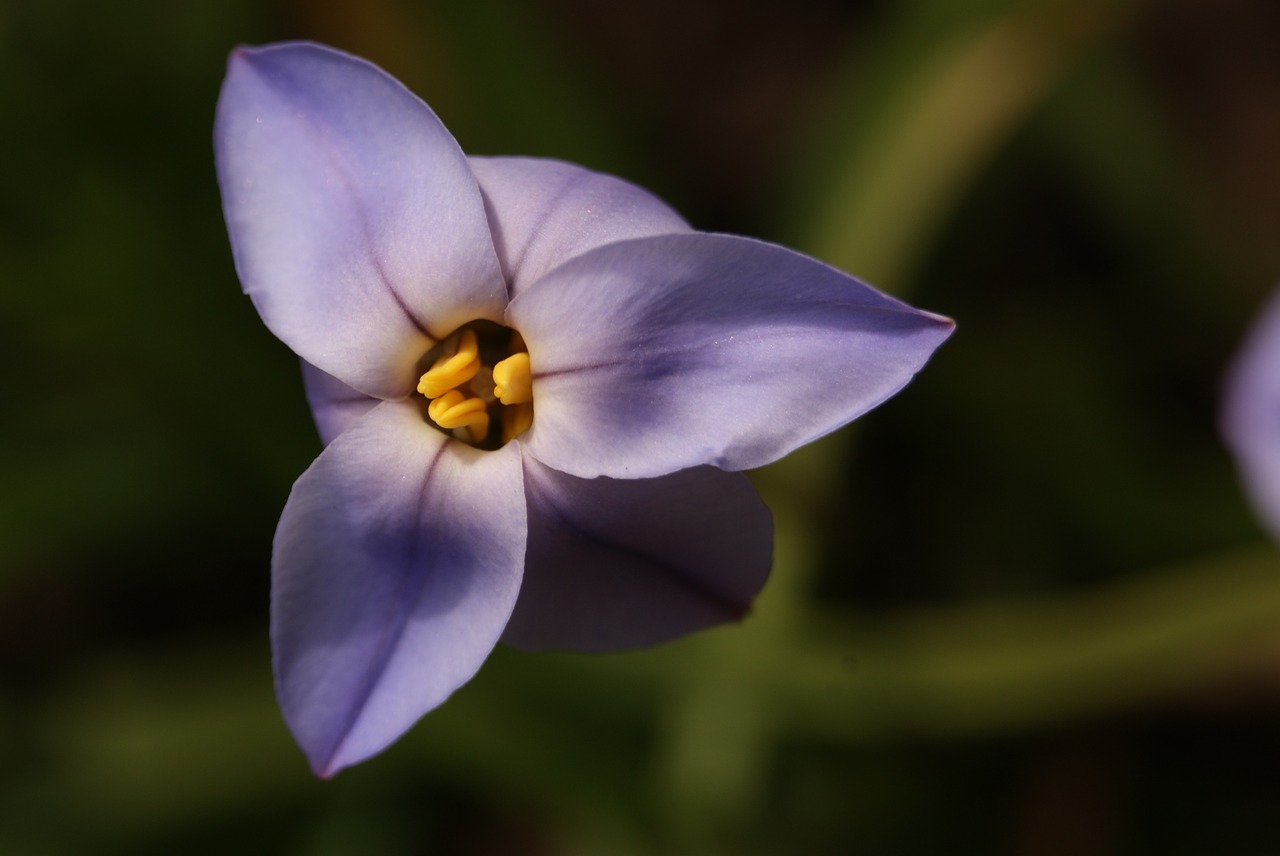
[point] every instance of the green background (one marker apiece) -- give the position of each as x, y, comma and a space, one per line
1023, 608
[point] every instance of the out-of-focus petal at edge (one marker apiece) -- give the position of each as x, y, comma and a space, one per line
662, 353
397, 563
615, 564
335, 407
355, 223
1251, 414
544, 212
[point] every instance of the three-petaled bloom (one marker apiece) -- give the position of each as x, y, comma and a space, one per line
537, 386
1251, 414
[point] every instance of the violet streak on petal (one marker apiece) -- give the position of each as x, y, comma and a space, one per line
397, 563
662, 353
544, 212
618, 564
1251, 414
356, 225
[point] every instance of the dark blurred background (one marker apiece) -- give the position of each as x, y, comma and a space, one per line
1023, 608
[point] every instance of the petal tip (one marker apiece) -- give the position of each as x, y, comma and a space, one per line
325, 772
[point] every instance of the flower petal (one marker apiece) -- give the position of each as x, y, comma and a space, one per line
397, 562
335, 407
544, 212
356, 225
662, 353
623, 563
1251, 414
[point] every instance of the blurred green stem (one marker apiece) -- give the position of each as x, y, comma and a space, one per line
990, 666
929, 123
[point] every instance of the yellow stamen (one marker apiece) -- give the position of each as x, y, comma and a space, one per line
453, 410
516, 420
452, 369
513, 380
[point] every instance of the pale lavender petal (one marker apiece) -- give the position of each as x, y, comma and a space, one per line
397, 562
1251, 414
335, 407
662, 353
622, 563
545, 212
356, 225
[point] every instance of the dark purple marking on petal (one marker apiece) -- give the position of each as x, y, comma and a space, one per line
411, 586
616, 564
667, 352
732, 610
395, 568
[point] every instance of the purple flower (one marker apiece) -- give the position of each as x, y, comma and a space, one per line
1251, 414
536, 384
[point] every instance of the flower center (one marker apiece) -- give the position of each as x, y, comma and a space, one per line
478, 375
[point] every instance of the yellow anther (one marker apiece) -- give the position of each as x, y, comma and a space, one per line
452, 369
515, 421
513, 380
453, 410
